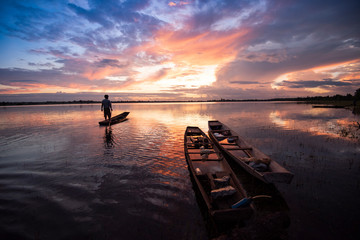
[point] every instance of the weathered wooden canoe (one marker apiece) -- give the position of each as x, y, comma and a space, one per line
116, 119
248, 157
217, 183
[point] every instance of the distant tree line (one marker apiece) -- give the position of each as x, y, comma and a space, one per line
338, 97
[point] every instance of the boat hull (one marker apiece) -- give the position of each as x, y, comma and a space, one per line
243, 153
116, 119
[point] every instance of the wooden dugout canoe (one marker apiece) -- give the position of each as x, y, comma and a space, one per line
208, 171
116, 119
247, 156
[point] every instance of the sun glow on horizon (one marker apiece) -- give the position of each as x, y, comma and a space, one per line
189, 77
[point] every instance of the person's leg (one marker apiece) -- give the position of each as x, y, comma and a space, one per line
107, 113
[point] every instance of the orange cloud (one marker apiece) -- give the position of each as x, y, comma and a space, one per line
101, 73
333, 66
207, 48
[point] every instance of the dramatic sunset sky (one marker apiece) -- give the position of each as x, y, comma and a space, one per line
178, 50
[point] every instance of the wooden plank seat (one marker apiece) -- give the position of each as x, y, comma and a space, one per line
198, 151
201, 159
211, 180
198, 155
220, 131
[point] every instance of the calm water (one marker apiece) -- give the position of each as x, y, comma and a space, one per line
64, 177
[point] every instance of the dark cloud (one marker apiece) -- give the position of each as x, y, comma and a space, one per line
244, 82
31, 22
207, 13
290, 21
37, 21
295, 36
110, 62
54, 77
314, 83
262, 69
93, 16
120, 16
58, 78
24, 81
47, 65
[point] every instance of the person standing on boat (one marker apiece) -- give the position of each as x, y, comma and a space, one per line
106, 107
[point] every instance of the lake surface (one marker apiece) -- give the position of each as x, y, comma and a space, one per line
62, 176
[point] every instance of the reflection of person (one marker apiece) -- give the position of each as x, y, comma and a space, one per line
106, 107
109, 138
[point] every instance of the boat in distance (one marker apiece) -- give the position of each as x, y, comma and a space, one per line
248, 157
116, 119
218, 185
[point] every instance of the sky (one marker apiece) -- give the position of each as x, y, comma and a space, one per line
58, 50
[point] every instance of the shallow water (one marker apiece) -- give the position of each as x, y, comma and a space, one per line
64, 177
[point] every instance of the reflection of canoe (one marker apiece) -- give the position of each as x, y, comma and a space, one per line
248, 157
217, 183
116, 119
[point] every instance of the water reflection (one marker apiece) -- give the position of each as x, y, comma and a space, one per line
134, 174
109, 139
318, 122
275, 118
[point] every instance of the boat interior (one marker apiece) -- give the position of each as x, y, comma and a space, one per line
226, 198
210, 169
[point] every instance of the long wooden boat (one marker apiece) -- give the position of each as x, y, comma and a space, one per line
248, 157
219, 187
116, 119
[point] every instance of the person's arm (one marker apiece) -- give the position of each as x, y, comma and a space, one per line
110, 106
102, 106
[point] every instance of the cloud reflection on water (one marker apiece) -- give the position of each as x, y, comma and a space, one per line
318, 122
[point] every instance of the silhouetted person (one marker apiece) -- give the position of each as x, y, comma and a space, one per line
106, 107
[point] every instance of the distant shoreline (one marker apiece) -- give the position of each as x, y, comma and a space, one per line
335, 101
99, 102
